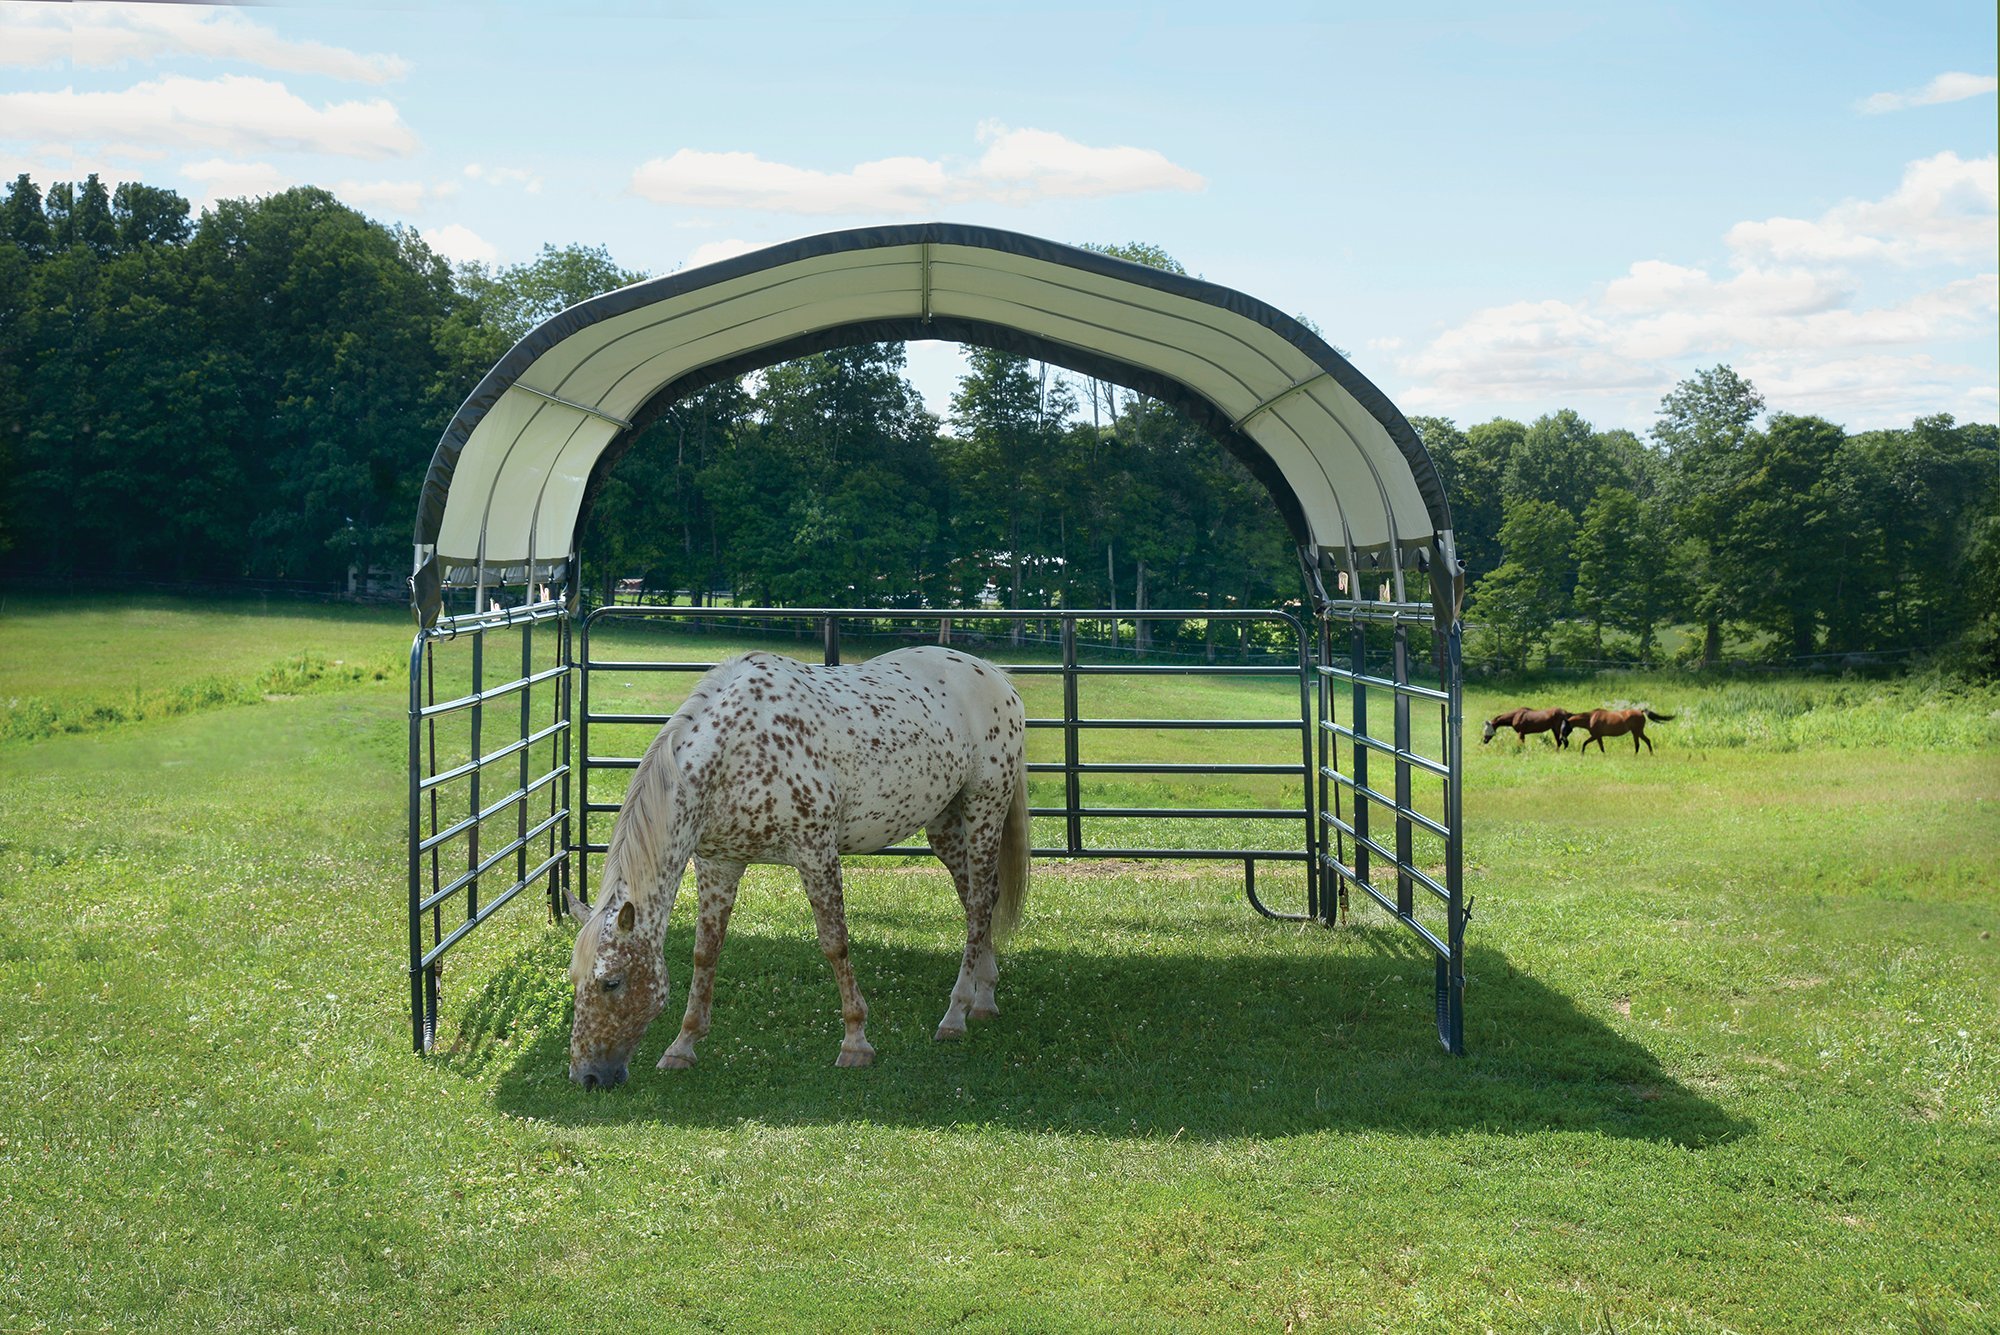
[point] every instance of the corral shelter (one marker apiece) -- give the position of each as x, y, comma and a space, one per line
515, 472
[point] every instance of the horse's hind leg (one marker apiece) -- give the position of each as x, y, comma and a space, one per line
717, 883
821, 874
975, 872
1638, 737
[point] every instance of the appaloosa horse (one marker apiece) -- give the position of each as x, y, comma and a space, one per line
1602, 723
775, 761
1525, 721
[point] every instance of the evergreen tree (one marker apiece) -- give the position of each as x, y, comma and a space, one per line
22, 222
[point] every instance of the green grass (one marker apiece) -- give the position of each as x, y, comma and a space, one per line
1734, 1019
80, 664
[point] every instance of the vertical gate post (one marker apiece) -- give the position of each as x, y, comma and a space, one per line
580, 849
472, 780
1357, 752
829, 639
1308, 725
1333, 889
419, 653
559, 884
527, 728
437, 852
1451, 974
1405, 888
1072, 781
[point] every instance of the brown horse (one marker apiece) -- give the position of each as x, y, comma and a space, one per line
1525, 721
1602, 723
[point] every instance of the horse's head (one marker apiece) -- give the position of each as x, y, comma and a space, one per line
620, 975
1492, 726
1568, 724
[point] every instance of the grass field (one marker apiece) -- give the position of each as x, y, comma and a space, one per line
1734, 1019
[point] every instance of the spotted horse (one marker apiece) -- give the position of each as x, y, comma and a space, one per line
775, 761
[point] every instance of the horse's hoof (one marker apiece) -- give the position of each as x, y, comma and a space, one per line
676, 1061
947, 1033
985, 1012
862, 1056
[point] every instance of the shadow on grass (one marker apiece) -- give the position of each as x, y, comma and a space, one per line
1148, 1045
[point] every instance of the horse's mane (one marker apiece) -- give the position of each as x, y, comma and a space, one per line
638, 840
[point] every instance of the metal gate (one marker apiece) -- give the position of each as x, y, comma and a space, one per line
496, 668
1356, 667
509, 714
831, 627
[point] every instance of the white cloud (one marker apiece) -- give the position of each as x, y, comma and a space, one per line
1798, 328
234, 113
1527, 350
221, 178
97, 35
225, 178
1023, 165
393, 196
1655, 285
47, 162
1962, 308
1870, 389
517, 176
711, 251
1946, 208
1950, 87
461, 244
1018, 167
746, 181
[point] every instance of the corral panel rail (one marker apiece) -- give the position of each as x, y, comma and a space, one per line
1076, 653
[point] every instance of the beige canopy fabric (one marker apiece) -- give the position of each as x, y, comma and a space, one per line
512, 475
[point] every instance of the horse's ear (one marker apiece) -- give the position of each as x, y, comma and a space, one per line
627, 916
575, 906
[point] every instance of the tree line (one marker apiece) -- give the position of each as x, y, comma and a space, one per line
255, 393
1782, 530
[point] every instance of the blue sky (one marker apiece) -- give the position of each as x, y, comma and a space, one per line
1493, 212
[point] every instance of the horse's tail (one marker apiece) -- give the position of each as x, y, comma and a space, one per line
1659, 718
1013, 859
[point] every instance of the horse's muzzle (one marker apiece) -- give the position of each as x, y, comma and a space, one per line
598, 1077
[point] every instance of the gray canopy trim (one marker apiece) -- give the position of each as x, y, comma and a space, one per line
514, 474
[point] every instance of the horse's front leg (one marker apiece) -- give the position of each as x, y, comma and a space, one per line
717, 882
821, 876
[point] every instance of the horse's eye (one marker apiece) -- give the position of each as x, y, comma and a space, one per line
611, 984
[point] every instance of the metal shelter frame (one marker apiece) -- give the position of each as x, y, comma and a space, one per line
501, 713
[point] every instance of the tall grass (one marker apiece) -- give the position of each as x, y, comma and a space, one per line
28, 718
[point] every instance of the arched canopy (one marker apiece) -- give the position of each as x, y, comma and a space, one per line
511, 478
